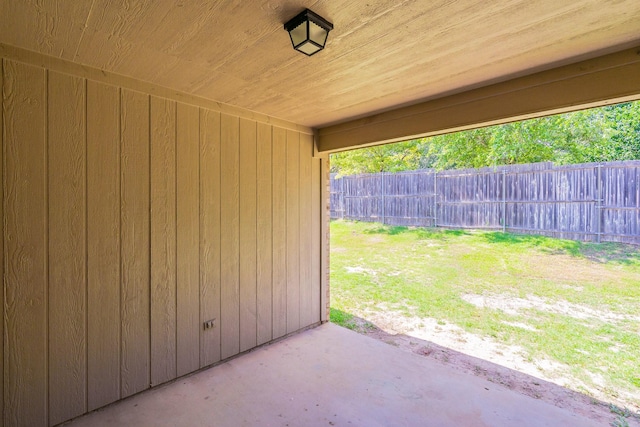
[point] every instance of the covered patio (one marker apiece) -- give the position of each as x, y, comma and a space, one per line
164, 183
331, 376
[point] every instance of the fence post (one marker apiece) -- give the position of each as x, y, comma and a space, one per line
435, 198
382, 196
344, 207
599, 203
504, 200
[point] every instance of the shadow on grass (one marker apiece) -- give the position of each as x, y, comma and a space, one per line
514, 380
604, 253
421, 232
544, 243
616, 253
349, 321
390, 230
440, 233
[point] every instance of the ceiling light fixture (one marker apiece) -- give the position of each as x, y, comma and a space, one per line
308, 32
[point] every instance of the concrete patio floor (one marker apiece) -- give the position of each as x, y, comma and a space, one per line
331, 376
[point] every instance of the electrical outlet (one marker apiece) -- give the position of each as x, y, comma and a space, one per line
210, 324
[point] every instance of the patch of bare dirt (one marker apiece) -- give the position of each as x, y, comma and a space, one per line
512, 305
496, 362
574, 270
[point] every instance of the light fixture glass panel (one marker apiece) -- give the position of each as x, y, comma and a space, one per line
299, 34
308, 32
317, 33
308, 48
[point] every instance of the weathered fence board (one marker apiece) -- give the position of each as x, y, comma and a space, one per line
589, 202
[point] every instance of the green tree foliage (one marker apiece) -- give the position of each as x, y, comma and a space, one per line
382, 158
596, 135
623, 131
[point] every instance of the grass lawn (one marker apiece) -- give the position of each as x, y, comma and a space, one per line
574, 304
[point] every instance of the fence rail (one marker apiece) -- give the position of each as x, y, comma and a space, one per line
590, 202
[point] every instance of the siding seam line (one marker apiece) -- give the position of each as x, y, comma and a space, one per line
286, 234
175, 221
270, 162
3, 243
150, 285
199, 151
239, 288
220, 233
119, 376
46, 201
255, 230
86, 249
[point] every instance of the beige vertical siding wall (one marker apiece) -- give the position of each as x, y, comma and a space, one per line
129, 219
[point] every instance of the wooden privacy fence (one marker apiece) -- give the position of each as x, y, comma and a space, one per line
589, 202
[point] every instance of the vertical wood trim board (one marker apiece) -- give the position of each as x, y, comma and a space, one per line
188, 240
103, 232
67, 249
293, 231
279, 305
130, 220
316, 246
305, 204
306, 231
25, 198
135, 243
163, 240
264, 235
324, 238
209, 236
248, 244
229, 236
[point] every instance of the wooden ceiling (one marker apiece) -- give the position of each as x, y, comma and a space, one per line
382, 53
